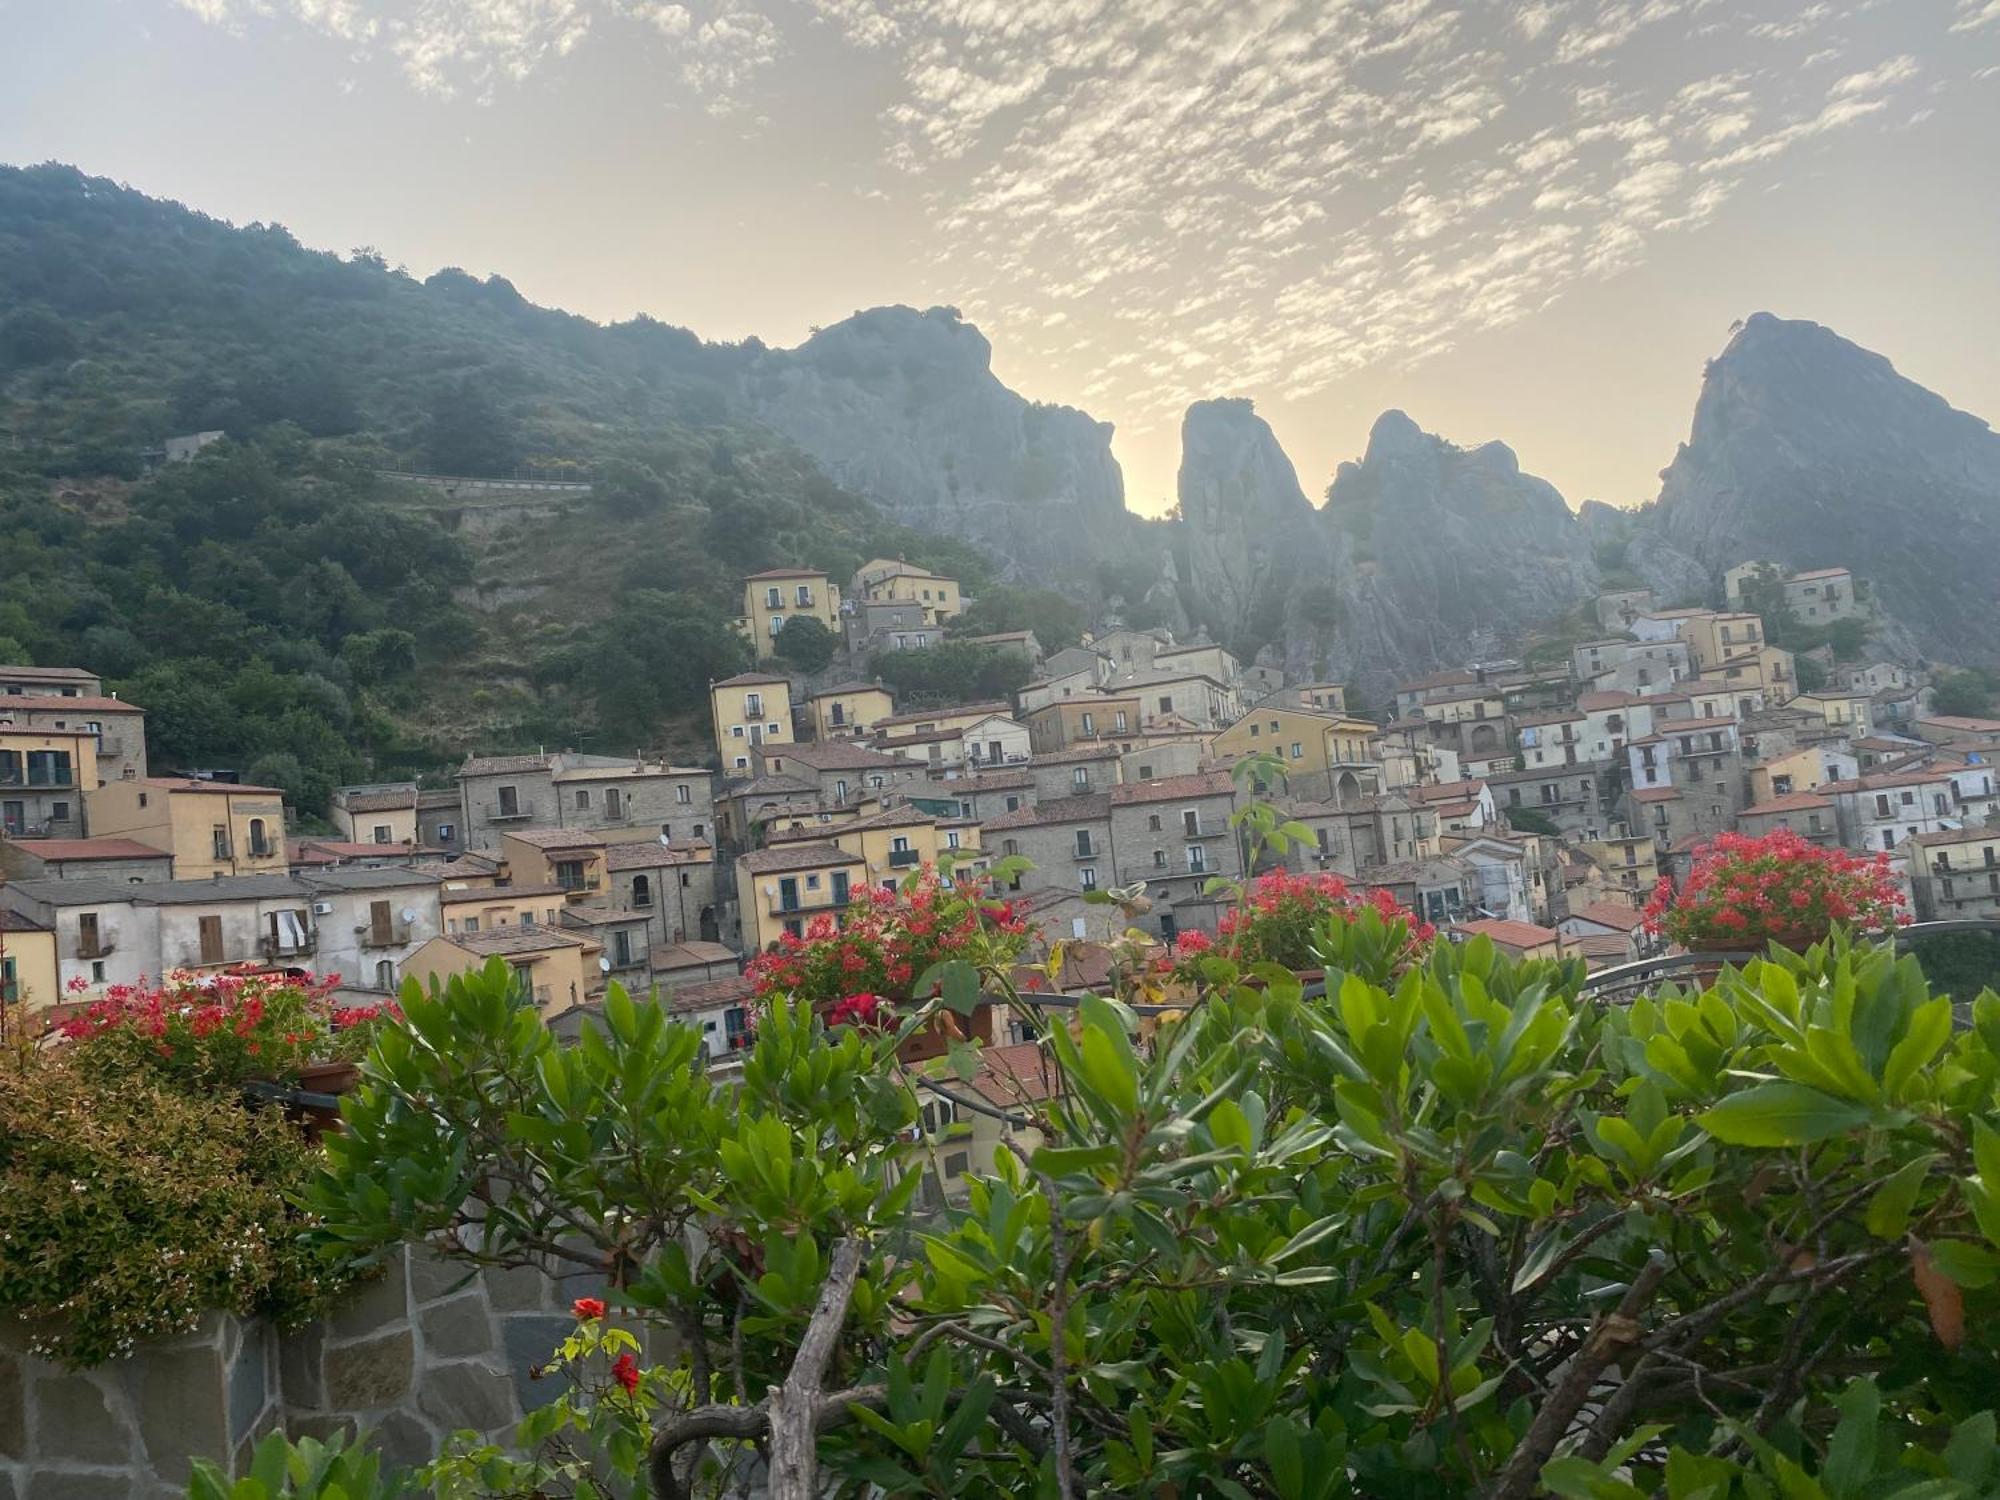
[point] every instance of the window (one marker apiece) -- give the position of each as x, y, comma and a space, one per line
1197, 858
88, 943
1145, 773
1013, 803
1255, 731
1080, 778
1881, 804
1298, 750
509, 805
382, 833
951, 838
773, 599
742, 762
956, 1163
1010, 846
804, 596
569, 874
1087, 878
614, 802
1159, 859
219, 836
1909, 799
682, 795
1153, 823
772, 730
1084, 849
381, 931
59, 812
838, 888
736, 732
1191, 822
642, 892
1888, 838
1089, 722
753, 705
1166, 704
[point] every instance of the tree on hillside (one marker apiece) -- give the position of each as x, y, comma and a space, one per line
1056, 621
1969, 693
952, 672
34, 336
467, 433
805, 644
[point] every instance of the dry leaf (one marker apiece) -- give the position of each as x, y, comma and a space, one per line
1941, 1295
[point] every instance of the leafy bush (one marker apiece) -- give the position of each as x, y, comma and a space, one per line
951, 672
305, 1470
1463, 1234
1283, 919
805, 644
128, 1208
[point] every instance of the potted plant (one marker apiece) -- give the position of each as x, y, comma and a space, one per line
1283, 918
213, 1032
867, 969
1744, 893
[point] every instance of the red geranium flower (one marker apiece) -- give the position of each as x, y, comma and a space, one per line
587, 1309
625, 1370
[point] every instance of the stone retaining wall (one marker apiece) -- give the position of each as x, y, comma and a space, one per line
428, 1350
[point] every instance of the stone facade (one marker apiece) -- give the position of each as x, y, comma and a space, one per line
431, 1348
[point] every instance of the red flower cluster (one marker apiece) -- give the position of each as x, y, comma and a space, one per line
218, 1029
888, 939
625, 1370
869, 1011
1283, 911
1778, 888
587, 1308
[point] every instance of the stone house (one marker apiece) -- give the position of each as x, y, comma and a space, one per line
563, 789
1569, 796
119, 728
118, 861
440, 821
841, 771
1880, 810
1082, 720
1807, 814
1955, 874
980, 794
1175, 835
783, 888
1078, 771
367, 923
1054, 686
1067, 839
45, 777
385, 813
672, 888
49, 682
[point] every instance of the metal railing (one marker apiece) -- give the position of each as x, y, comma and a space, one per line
498, 812
1624, 980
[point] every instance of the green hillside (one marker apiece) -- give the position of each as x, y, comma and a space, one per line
279, 607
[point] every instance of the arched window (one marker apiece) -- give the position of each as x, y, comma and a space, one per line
259, 845
642, 891
385, 974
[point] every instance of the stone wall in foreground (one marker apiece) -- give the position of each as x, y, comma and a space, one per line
427, 1350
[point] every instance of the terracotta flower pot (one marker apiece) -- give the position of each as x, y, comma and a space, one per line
334, 1078
1797, 939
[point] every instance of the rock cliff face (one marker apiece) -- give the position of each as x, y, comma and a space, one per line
1248, 540
903, 406
1813, 452
1454, 550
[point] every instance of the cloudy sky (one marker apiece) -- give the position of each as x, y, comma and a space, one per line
1524, 219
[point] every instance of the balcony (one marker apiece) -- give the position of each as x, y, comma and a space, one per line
1203, 833
1085, 851
774, 905
395, 935
501, 812
276, 948
902, 859
100, 947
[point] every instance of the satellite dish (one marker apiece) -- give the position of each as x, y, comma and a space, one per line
604, 964
665, 841
409, 914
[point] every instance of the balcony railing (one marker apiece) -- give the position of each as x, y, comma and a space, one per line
902, 859
500, 812
775, 905
1086, 851
276, 948
395, 935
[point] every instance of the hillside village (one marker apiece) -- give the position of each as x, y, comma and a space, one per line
1538, 805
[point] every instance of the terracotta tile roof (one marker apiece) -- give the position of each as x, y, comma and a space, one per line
497, 893
772, 786
1655, 794
505, 765
1943, 721
840, 689
1598, 702
715, 994
1611, 914
813, 856
50, 674
69, 850
1056, 810
377, 801
506, 940
555, 838
1507, 934
1818, 573
787, 573
1602, 950
1886, 780
947, 711
752, 679
1173, 788
649, 854
1790, 802
691, 954
836, 755
42, 705
193, 784
1008, 1075
1074, 754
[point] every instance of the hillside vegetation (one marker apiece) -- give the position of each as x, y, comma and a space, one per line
280, 608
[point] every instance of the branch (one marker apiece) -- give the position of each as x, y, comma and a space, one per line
794, 1452
1523, 1472
793, 1415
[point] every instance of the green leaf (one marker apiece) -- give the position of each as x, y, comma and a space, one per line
1850, 1453
1060, 1161
1889, 1210
1780, 1114
1970, 1453
1930, 1029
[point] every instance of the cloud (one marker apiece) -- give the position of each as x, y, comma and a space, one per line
1245, 195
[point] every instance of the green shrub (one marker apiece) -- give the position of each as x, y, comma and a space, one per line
128, 1209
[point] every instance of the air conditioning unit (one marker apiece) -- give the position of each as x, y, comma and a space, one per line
322, 908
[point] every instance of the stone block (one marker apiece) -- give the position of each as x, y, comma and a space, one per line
375, 1304
321, 1426
183, 1412
434, 1277
371, 1372
54, 1484
527, 1340
461, 1328
468, 1395
73, 1423
402, 1441
249, 1381
299, 1366
13, 1409
519, 1289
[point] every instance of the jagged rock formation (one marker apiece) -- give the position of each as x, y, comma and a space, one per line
1247, 540
1451, 547
1813, 452
903, 407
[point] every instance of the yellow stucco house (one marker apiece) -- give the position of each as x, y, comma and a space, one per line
559, 968
782, 888
778, 595
885, 580
1326, 755
45, 777
749, 710
28, 975
849, 708
210, 827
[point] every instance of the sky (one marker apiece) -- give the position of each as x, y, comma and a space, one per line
1530, 220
